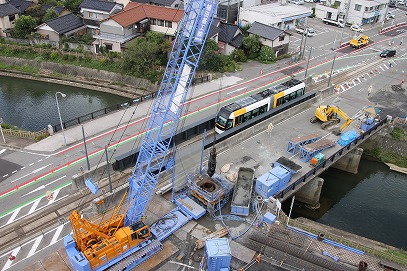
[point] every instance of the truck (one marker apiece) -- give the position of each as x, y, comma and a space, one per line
359, 41
307, 31
338, 23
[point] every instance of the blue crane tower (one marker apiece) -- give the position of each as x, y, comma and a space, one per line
123, 241
167, 108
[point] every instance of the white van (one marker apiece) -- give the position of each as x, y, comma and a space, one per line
297, 2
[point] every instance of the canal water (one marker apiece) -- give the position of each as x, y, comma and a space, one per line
371, 204
31, 105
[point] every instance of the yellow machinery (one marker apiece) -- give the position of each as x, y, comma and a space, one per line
328, 114
359, 41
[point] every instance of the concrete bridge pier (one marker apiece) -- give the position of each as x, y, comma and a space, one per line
350, 161
310, 193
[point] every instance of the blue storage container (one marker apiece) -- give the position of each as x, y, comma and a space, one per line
217, 254
269, 184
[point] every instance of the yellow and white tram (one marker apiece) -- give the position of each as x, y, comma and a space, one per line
242, 110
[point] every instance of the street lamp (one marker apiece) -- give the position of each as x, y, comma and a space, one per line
59, 113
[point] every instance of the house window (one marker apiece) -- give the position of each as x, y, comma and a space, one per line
11, 18
371, 8
93, 15
130, 27
281, 38
366, 8
153, 21
109, 47
168, 24
358, 7
160, 22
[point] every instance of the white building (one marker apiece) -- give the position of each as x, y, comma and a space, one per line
283, 17
359, 12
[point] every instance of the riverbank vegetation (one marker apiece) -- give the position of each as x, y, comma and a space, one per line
384, 156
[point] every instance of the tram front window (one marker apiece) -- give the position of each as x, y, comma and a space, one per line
221, 120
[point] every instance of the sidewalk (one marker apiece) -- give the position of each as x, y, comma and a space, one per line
97, 126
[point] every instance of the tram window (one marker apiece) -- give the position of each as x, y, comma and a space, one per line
293, 96
255, 112
300, 92
286, 99
262, 109
238, 120
247, 116
279, 101
229, 124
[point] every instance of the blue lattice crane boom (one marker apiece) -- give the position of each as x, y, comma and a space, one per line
167, 108
124, 241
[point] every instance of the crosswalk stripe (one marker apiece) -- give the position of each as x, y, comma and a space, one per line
35, 246
3, 150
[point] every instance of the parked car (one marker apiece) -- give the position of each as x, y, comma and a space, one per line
309, 1
388, 53
357, 28
297, 2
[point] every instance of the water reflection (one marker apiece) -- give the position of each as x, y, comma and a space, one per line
31, 105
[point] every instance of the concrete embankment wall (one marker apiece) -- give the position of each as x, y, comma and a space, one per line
90, 77
384, 141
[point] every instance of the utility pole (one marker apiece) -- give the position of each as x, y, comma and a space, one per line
108, 170
344, 19
305, 42
309, 57
330, 74
86, 149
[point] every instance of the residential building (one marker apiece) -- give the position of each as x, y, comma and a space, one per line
22, 5
8, 16
359, 12
134, 21
94, 12
280, 16
163, 3
230, 38
61, 10
271, 36
68, 25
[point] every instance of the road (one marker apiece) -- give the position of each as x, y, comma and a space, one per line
27, 174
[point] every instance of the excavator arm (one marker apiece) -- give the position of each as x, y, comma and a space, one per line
328, 115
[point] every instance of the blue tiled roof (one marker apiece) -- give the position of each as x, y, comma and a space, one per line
265, 31
22, 5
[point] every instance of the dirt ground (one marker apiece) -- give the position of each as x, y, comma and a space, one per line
16, 142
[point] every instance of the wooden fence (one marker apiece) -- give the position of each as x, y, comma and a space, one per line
22, 133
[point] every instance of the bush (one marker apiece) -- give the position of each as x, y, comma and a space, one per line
72, 57
8, 126
65, 57
398, 133
54, 55
239, 56
41, 137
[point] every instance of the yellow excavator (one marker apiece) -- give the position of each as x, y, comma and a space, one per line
328, 114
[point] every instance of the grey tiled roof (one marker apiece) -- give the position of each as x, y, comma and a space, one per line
22, 5
214, 28
227, 34
265, 31
98, 5
8, 9
65, 23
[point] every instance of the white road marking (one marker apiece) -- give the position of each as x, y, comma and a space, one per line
45, 155
34, 206
32, 172
14, 172
22, 168
43, 186
56, 234
3, 150
4, 176
31, 164
39, 160
239, 89
14, 252
13, 216
35, 246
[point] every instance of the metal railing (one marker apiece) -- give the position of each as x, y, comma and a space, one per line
23, 133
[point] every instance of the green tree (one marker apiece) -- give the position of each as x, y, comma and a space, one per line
72, 5
209, 55
251, 46
142, 58
51, 13
23, 27
267, 54
245, 28
238, 55
36, 12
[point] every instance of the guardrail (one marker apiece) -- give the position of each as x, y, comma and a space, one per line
385, 29
330, 160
